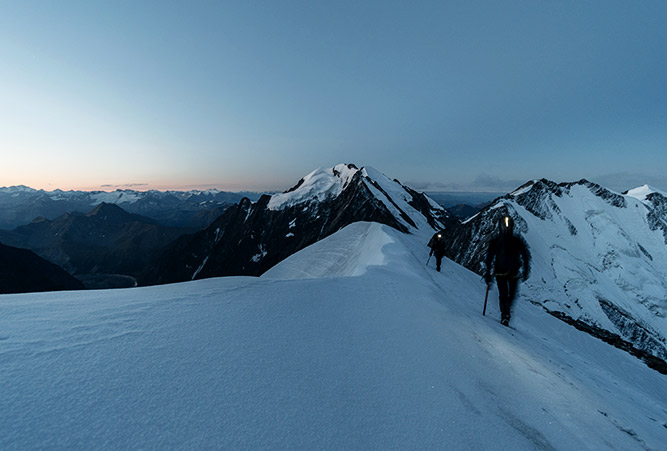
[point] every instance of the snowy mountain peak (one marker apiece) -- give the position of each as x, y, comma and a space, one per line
411, 210
642, 192
319, 185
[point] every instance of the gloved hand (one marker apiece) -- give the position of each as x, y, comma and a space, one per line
488, 278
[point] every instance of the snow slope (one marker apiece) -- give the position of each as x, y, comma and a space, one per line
332, 257
369, 349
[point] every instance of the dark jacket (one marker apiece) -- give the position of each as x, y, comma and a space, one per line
507, 253
437, 244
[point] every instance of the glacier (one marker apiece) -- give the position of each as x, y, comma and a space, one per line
352, 343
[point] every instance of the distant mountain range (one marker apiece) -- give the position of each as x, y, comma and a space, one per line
20, 205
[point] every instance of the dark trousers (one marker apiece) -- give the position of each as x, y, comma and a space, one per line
438, 261
506, 292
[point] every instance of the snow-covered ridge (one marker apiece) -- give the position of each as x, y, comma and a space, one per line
340, 255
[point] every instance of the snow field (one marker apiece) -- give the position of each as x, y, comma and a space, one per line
354, 344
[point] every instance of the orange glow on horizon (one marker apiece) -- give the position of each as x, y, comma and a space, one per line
157, 186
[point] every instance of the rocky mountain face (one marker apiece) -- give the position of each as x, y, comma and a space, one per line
599, 257
22, 271
249, 238
108, 240
19, 205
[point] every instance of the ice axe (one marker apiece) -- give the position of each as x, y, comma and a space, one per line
486, 298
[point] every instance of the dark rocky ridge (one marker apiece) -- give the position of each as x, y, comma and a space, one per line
657, 217
107, 240
657, 363
22, 271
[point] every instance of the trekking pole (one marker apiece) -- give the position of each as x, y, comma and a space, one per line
486, 298
429, 259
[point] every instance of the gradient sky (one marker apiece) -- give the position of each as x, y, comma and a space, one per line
443, 95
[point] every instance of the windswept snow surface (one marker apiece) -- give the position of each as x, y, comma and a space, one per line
332, 257
373, 351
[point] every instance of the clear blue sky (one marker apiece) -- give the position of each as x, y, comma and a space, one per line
255, 94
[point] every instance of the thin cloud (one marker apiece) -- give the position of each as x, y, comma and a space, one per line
127, 185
